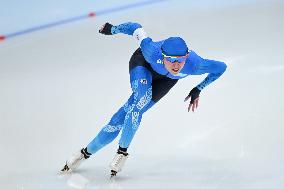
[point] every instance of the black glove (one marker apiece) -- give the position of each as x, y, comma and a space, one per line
194, 94
106, 29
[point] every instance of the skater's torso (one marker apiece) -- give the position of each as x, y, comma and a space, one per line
152, 52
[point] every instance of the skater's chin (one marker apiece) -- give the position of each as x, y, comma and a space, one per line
175, 71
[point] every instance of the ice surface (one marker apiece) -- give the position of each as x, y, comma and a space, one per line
58, 87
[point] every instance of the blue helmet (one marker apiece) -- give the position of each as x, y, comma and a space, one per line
174, 46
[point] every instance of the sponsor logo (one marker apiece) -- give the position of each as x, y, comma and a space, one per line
159, 61
143, 81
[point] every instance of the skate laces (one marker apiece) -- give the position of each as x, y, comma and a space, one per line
119, 160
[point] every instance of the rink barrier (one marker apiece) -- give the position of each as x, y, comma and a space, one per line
77, 18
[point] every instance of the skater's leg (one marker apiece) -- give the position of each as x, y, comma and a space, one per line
110, 131
141, 84
148, 88
141, 80
105, 136
160, 88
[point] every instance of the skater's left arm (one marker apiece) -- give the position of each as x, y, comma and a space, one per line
129, 28
201, 66
149, 48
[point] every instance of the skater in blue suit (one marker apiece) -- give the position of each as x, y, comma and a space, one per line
154, 68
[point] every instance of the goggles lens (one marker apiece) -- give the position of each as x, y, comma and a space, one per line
173, 59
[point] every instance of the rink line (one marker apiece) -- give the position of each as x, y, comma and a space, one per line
76, 18
2, 38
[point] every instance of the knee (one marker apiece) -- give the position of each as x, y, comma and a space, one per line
108, 134
118, 117
112, 129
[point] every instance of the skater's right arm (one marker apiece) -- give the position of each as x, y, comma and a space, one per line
149, 48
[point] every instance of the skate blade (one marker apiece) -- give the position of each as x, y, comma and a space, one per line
64, 170
112, 174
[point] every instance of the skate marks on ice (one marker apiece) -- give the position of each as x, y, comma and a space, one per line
75, 180
93, 178
170, 172
78, 179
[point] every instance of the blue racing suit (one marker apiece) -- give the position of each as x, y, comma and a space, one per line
148, 76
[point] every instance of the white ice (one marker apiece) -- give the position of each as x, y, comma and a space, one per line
58, 87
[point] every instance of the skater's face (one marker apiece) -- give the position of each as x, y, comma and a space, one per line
173, 67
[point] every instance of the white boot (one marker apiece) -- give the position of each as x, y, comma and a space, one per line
118, 162
74, 161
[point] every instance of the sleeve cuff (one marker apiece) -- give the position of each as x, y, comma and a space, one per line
139, 34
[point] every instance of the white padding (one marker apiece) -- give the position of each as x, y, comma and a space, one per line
139, 35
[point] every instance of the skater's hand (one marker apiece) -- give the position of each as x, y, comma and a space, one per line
194, 95
106, 29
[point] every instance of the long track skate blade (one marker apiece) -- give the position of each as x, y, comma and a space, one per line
112, 174
64, 170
